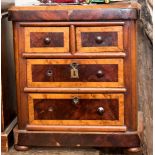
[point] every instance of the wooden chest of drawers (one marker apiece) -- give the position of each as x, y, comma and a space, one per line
76, 75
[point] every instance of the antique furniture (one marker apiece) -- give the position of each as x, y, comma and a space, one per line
8, 100
76, 75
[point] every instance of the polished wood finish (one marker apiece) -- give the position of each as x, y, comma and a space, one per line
129, 10
72, 39
74, 90
46, 39
72, 24
80, 114
101, 40
61, 73
111, 39
78, 55
74, 128
112, 68
86, 139
77, 140
35, 39
94, 109
20, 76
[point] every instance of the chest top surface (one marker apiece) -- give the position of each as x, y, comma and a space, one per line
97, 12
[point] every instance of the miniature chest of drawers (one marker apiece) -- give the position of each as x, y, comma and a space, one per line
76, 75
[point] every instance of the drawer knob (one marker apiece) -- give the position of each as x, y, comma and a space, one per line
99, 39
50, 109
100, 73
49, 73
47, 40
75, 100
100, 110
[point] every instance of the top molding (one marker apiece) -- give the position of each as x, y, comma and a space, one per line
93, 12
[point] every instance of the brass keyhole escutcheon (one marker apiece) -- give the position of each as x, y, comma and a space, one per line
74, 70
75, 100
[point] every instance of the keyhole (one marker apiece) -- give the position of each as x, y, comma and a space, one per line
74, 73
74, 70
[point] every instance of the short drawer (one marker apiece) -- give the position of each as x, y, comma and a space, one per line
76, 109
46, 39
99, 39
75, 73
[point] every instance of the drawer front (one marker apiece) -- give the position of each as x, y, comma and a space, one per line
76, 109
46, 39
75, 73
99, 39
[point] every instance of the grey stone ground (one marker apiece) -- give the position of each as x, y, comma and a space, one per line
54, 151
63, 151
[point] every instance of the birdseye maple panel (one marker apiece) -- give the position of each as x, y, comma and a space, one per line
91, 73
47, 39
48, 109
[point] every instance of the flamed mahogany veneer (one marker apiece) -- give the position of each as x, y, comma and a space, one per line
76, 75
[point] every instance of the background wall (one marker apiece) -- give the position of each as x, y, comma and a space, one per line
5, 4
145, 66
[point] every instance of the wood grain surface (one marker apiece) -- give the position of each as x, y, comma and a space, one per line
75, 128
86, 109
113, 117
129, 10
48, 82
87, 73
35, 42
112, 37
37, 39
37, 100
86, 139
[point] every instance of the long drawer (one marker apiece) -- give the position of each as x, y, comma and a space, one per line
75, 73
76, 109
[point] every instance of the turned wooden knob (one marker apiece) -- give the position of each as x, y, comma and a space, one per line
99, 39
100, 110
47, 40
99, 73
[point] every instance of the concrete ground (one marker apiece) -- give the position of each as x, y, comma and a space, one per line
61, 151
54, 151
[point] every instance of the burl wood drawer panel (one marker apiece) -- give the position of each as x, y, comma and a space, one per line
99, 39
76, 109
46, 39
89, 73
